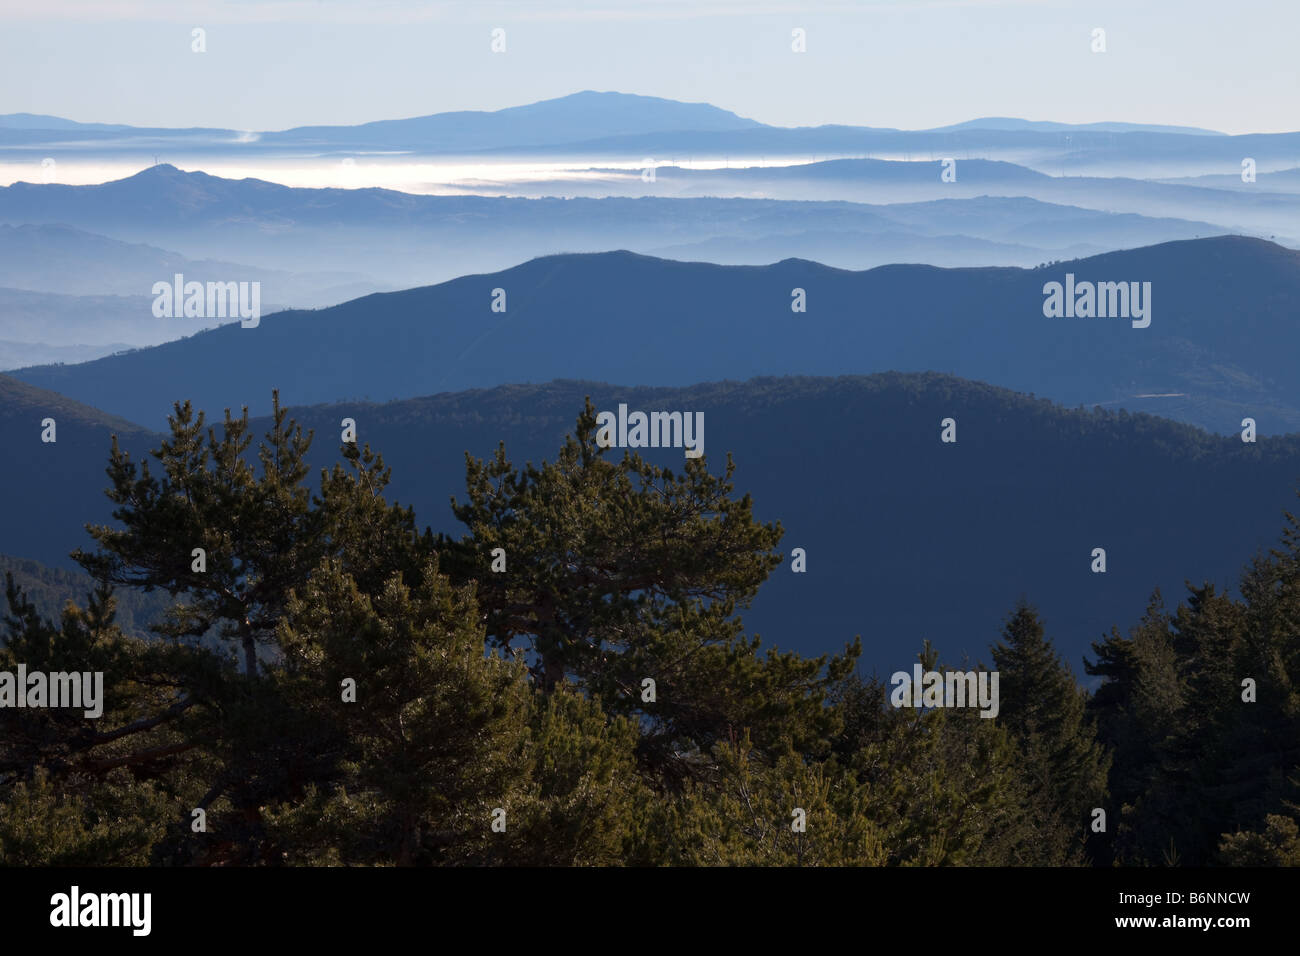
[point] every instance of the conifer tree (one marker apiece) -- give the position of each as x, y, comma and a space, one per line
78, 790
425, 742
260, 535
585, 803
944, 784
1063, 765
1139, 709
619, 572
285, 766
785, 812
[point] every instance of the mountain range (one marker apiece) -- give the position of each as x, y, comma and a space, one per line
1269, 207
610, 123
1219, 347
320, 246
863, 286
398, 238
47, 257
576, 117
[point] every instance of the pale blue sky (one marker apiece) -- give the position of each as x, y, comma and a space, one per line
270, 64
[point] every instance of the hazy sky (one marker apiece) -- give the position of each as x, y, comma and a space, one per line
270, 64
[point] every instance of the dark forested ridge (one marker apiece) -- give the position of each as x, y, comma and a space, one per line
54, 488
1219, 348
906, 537
621, 713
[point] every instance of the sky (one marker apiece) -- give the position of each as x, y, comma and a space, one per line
910, 64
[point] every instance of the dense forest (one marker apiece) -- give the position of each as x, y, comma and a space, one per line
48, 589
570, 682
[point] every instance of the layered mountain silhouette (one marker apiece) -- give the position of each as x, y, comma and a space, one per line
1010, 123
1268, 207
1220, 345
577, 117
401, 239
341, 242
906, 537
60, 258
828, 379
610, 123
567, 119
74, 328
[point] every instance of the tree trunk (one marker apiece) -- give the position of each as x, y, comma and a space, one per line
250, 656
552, 670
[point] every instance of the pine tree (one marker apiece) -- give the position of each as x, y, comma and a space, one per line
1063, 765
1140, 710
943, 784
431, 741
411, 764
78, 790
585, 803
246, 750
260, 535
253, 532
623, 572
783, 812
1276, 844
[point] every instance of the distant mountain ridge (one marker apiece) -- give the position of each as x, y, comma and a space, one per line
1271, 210
1011, 123
612, 123
580, 114
401, 239
551, 122
1220, 346
45, 257
40, 121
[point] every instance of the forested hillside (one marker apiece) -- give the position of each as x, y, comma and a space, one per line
621, 713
